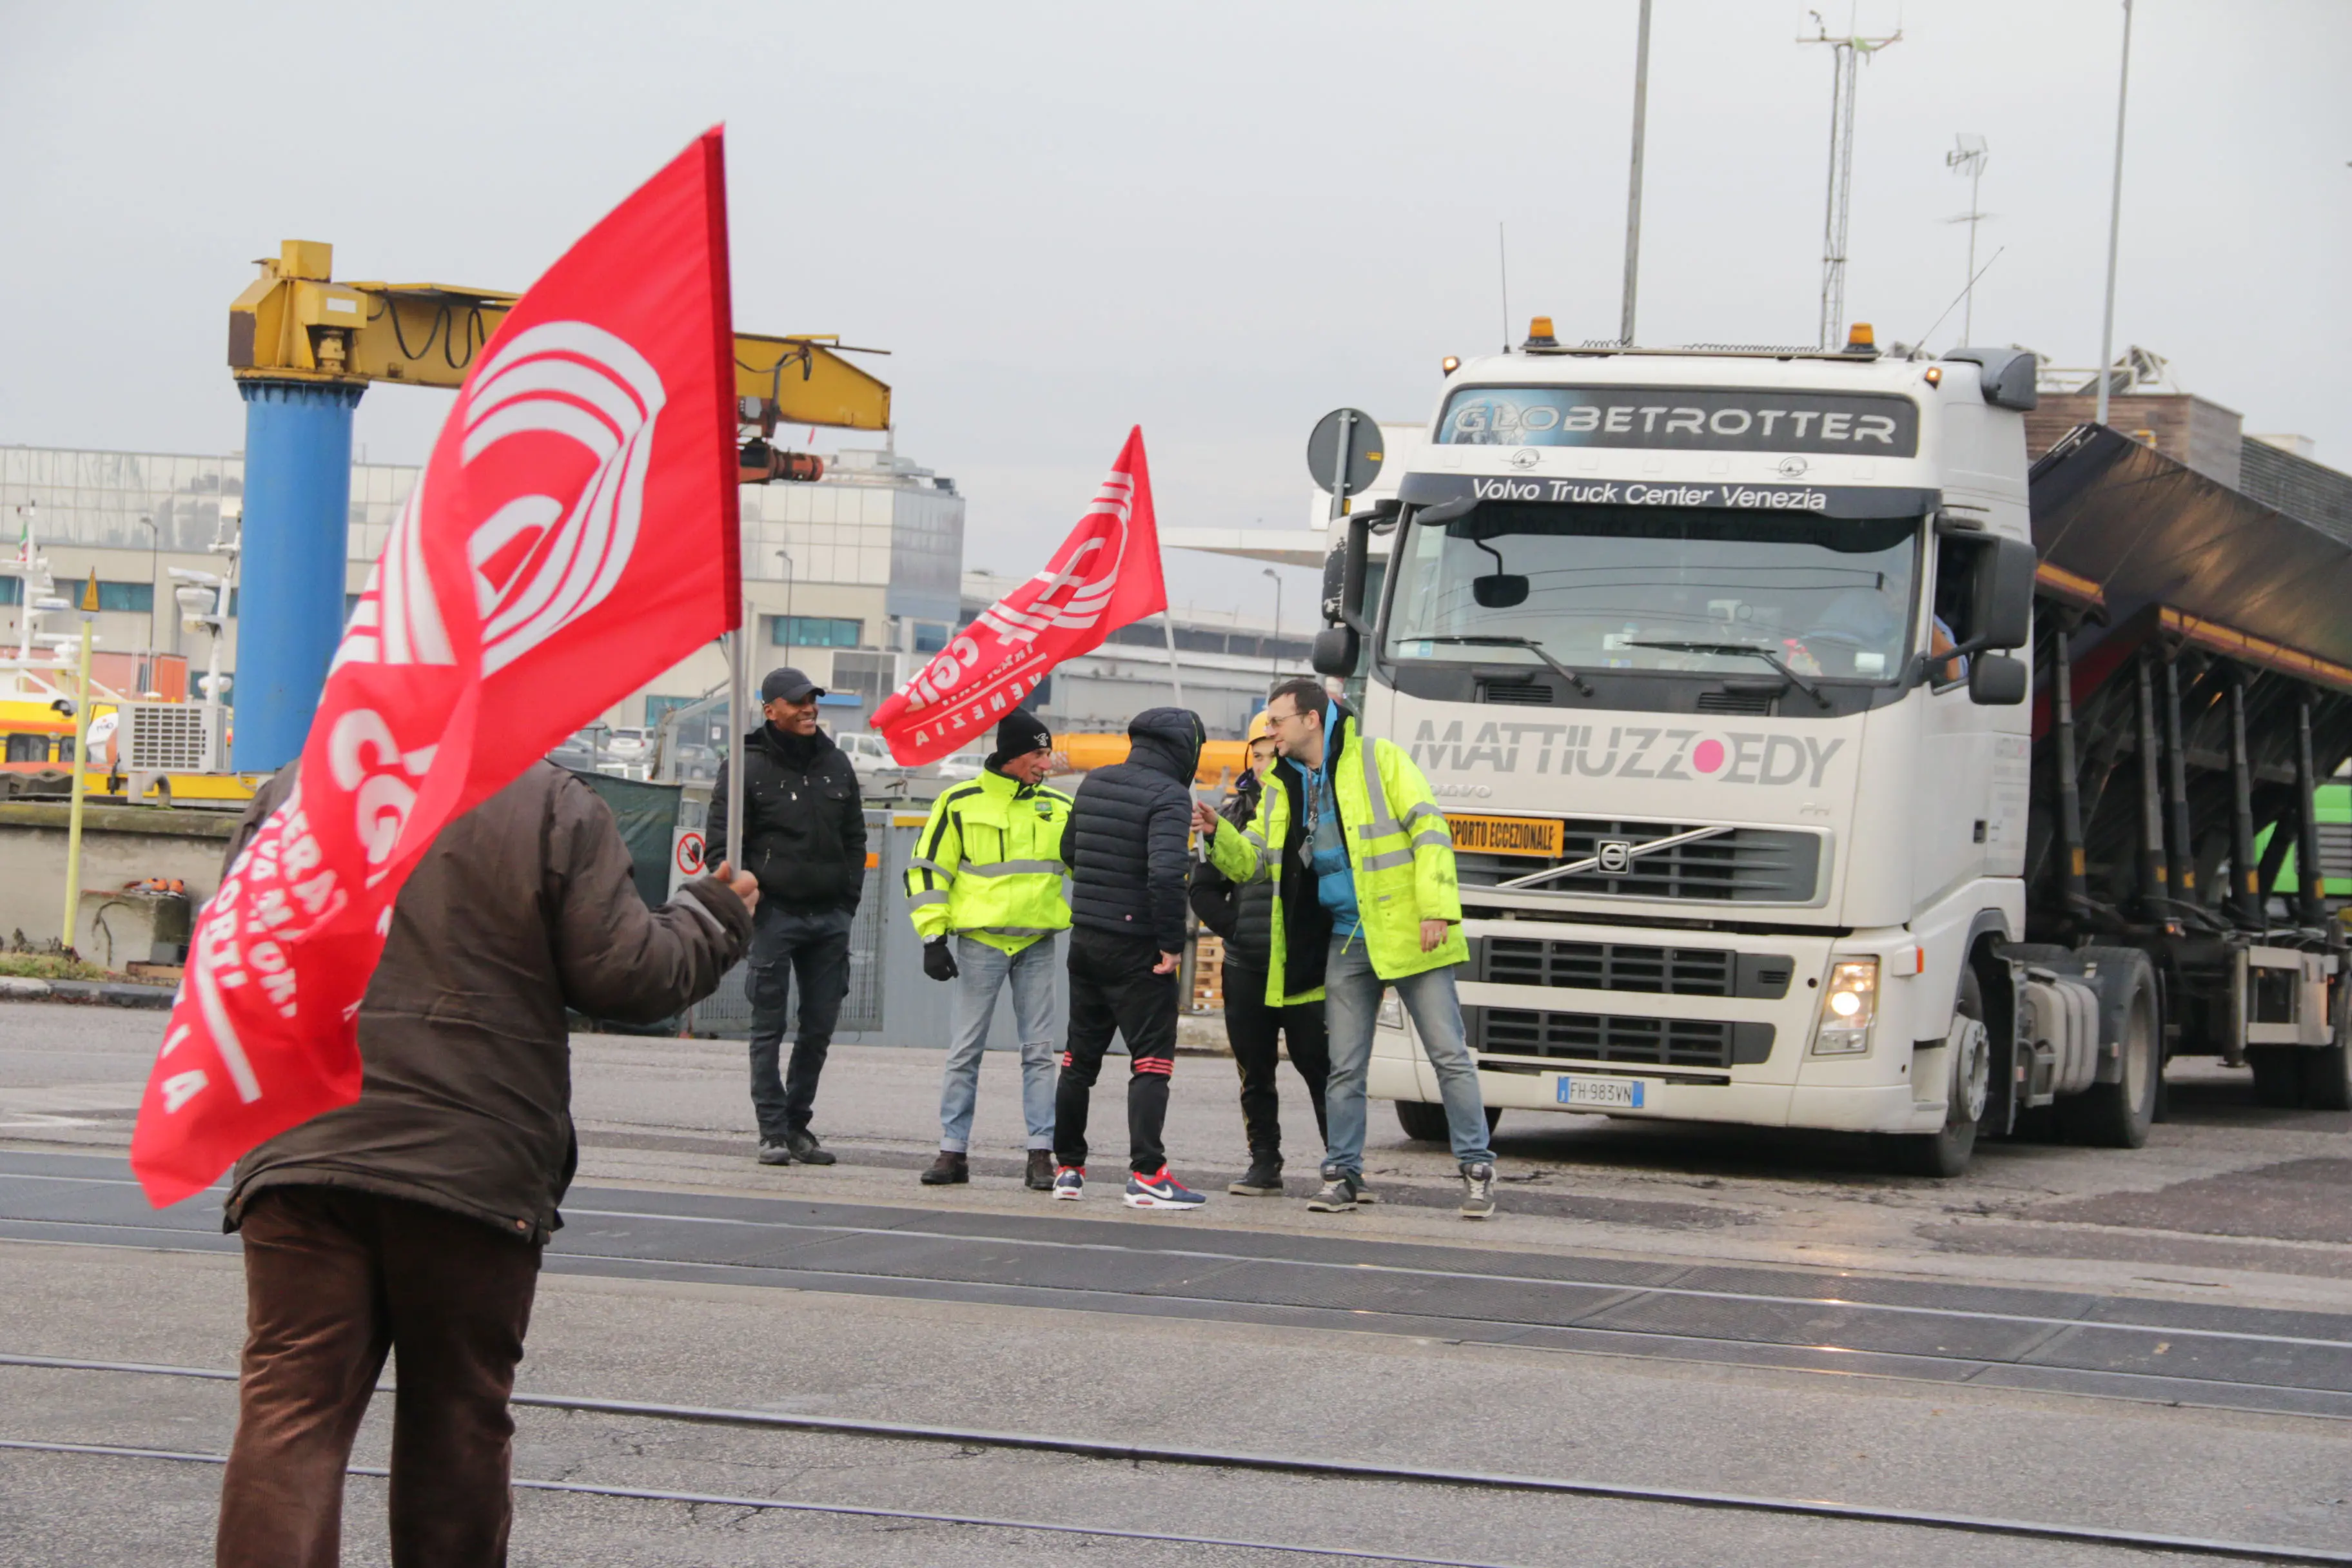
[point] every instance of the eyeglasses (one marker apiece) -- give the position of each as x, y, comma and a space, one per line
1275, 719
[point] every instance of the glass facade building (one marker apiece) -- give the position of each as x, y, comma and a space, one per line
875, 546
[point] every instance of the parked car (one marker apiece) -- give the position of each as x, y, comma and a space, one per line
869, 755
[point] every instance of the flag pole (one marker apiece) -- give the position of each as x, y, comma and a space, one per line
1168, 626
735, 656
80, 765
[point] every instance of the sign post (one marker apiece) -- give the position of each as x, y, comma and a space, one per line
1343, 455
80, 767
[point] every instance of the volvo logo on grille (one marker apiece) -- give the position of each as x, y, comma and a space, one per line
1615, 855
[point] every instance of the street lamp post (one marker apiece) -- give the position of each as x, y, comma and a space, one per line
2115, 224
1274, 662
786, 641
155, 542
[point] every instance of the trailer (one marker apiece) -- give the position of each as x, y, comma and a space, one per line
1813, 760
2193, 652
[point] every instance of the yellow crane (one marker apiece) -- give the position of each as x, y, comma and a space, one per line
304, 347
294, 322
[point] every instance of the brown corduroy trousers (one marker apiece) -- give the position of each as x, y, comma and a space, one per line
334, 1279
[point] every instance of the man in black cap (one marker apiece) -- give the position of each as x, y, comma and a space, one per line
804, 840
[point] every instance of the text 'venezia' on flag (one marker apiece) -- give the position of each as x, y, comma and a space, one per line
1105, 574
573, 534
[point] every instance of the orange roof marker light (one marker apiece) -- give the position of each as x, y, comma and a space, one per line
1861, 340
1540, 334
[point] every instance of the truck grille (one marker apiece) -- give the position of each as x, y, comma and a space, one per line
1745, 866
1627, 967
1626, 1041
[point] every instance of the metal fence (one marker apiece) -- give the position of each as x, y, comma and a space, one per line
890, 1002
727, 1012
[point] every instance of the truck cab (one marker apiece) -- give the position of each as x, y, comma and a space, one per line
1707, 657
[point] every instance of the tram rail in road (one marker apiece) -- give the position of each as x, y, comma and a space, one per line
968, 1438
2174, 1353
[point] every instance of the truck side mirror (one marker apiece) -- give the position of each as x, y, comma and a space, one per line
1336, 652
1997, 680
1343, 579
1335, 584
2004, 594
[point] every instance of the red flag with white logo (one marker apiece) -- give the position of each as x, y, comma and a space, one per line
573, 535
1105, 574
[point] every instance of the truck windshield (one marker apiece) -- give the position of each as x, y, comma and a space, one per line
1829, 597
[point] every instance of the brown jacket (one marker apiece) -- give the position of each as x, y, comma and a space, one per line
523, 907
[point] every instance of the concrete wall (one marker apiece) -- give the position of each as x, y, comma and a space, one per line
121, 844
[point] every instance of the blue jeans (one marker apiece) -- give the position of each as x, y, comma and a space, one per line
980, 971
815, 949
1351, 1007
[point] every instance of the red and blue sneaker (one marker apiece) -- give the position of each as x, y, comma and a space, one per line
1070, 1182
1159, 1191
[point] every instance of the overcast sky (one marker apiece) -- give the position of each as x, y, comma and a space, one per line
1216, 221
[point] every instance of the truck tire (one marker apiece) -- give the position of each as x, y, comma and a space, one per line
2328, 1078
2328, 1072
1425, 1123
2278, 1075
2117, 1115
1945, 1153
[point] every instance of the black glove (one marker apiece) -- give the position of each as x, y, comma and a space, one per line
938, 962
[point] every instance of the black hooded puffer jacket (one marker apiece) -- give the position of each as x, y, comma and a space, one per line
1128, 844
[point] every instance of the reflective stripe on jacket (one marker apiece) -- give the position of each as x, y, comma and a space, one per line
1398, 847
989, 863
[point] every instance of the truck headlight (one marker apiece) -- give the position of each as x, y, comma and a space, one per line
1849, 1007
1392, 1013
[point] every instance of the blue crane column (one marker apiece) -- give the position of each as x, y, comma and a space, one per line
298, 503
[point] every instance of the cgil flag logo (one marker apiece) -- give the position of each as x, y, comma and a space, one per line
1667, 753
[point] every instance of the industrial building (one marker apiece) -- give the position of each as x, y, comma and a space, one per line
842, 574
1225, 663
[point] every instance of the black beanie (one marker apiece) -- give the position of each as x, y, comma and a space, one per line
1019, 733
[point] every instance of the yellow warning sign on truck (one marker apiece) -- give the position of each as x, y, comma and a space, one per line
1539, 836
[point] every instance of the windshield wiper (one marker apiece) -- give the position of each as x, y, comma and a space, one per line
1753, 650
1529, 644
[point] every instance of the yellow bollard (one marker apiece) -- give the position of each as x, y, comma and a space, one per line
81, 745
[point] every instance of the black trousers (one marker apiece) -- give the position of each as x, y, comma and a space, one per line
816, 948
334, 1279
1112, 988
1254, 1029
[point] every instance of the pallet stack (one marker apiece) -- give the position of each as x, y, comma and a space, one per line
1208, 974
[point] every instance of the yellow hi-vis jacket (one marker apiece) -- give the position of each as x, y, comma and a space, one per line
1398, 847
989, 863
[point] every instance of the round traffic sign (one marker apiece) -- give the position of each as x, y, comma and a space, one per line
690, 853
1363, 451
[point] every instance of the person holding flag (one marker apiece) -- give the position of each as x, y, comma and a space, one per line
372, 1022
984, 890
416, 1215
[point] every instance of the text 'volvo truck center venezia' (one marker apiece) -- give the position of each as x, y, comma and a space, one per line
1811, 763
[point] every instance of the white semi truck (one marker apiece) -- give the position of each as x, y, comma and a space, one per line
1724, 666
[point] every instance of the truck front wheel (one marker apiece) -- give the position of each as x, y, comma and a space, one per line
1968, 1058
1425, 1123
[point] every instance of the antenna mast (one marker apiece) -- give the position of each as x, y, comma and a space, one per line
1847, 52
1967, 157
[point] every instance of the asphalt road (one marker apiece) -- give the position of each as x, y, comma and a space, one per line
1650, 1310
